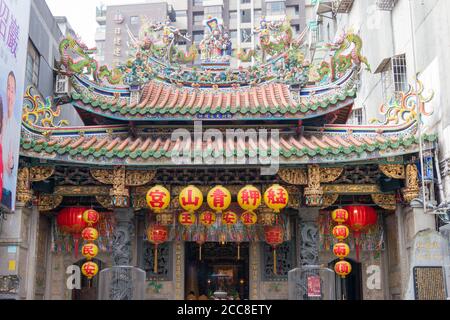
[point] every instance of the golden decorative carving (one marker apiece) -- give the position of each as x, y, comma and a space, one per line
394, 171
351, 189
165, 219
104, 176
411, 191
267, 218
295, 195
385, 201
119, 193
41, 173
48, 202
24, 193
329, 200
294, 176
314, 192
136, 178
328, 175
82, 190
138, 202
105, 202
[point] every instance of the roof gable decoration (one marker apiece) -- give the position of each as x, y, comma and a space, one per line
279, 57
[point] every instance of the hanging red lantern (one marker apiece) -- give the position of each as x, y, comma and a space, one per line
157, 235
70, 221
274, 236
360, 219
343, 268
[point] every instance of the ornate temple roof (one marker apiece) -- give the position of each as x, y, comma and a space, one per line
162, 101
127, 110
150, 146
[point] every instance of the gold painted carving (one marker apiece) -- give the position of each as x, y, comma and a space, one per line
328, 175
351, 189
105, 202
411, 191
394, 171
329, 200
82, 190
48, 202
385, 201
138, 202
24, 192
104, 176
119, 193
314, 192
137, 178
133, 178
294, 176
41, 173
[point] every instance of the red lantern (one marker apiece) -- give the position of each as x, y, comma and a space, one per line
360, 219
70, 221
157, 235
341, 232
343, 268
274, 237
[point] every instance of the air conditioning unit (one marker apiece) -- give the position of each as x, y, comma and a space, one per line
62, 84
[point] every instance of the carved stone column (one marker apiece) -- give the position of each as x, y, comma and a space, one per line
314, 192
122, 288
308, 237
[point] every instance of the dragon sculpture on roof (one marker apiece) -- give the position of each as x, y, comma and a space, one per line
155, 55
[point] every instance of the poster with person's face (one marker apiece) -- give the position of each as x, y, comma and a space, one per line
14, 24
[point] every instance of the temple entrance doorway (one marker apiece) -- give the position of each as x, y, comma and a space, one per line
89, 288
216, 271
349, 288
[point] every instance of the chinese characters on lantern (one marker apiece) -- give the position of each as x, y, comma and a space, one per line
276, 198
341, 249
158, 198
191, 198
249, 198
219, 199
90, 249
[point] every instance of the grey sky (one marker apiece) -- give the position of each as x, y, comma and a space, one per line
81, 14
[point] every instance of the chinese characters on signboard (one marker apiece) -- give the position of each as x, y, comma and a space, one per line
14, 23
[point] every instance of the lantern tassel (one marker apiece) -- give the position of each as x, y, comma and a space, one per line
357, 242
200, 253
275, 261
77, 243
155, 264
239, 251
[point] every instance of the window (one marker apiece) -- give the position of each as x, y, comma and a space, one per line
394, 76
198, 19
233, 34
198, 36
117, 31
134, 20
246, 1
246, 35
356, 117
180, 13
275, 8
32, 67
213, 11
198, 3
246, 16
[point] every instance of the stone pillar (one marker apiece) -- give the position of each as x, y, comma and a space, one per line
17, 253
308, 240
122, 254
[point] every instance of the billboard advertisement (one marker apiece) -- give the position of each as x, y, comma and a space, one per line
14, 24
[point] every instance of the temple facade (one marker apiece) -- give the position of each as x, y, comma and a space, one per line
158, 121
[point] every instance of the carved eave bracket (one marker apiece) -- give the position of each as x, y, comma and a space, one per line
49, 202
411, 191
299, 177
314, 191
394, 171
26, 176
329, 200
329, 175
385, 201
121, 179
